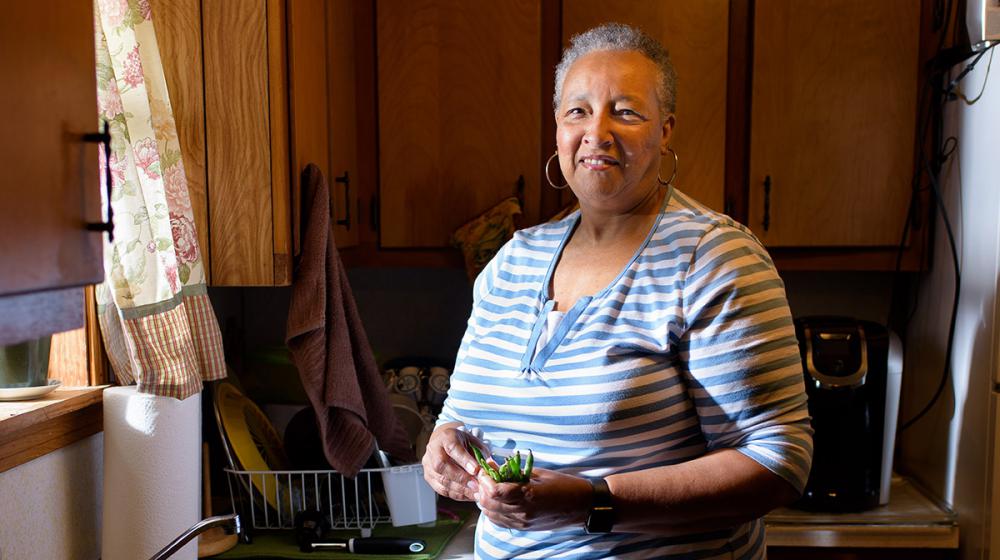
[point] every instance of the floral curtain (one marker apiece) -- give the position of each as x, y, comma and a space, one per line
155, 315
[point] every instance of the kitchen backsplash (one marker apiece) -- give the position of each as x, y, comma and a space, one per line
423, 311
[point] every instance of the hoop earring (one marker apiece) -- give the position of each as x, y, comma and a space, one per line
673, 175
549, 179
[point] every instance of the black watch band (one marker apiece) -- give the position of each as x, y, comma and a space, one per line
601, 517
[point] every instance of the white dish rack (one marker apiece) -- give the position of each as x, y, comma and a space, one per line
270, 499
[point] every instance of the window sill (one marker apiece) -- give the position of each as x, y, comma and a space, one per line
30, 429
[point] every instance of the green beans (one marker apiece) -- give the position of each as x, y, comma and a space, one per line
510, 471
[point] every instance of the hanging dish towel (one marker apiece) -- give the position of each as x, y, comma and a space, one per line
330, 348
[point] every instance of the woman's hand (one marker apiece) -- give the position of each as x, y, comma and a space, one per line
448, 466
549, 500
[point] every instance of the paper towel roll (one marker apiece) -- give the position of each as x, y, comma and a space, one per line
152, 450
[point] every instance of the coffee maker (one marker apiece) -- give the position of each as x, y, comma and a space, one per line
853, 372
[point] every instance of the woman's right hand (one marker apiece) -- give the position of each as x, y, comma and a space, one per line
448, 466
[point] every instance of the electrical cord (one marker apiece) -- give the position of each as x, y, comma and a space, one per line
948, 147
973, 101
946, 370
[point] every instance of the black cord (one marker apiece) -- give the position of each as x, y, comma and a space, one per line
946, 370
949, 91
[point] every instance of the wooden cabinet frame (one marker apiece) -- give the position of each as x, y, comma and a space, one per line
914, 256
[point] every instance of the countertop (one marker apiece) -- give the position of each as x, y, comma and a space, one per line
911, 520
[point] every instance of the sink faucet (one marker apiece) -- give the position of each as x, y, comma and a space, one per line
230, 524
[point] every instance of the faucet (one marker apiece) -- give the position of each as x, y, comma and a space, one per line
229, 523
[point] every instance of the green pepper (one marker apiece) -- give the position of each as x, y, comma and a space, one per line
482, 463
510, 471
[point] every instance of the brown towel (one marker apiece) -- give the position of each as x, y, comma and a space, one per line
330, 349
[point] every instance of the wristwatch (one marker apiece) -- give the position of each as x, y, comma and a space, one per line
601, 517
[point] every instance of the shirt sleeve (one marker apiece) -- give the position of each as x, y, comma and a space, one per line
483, 285
740, 357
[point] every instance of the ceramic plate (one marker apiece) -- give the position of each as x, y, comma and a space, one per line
252, 438
26, 393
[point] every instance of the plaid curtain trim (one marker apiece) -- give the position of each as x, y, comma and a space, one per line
206, 336
164, 350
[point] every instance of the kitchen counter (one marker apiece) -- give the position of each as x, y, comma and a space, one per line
911, 521
461, 545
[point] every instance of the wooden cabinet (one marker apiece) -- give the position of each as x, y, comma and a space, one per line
50, 189
696, 36
226, 75
423, 116
324, 118
832, 121
50, 186
260, 89
458, 114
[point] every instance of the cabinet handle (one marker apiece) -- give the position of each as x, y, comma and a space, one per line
104, 138
767, 202
520, 190
346, 180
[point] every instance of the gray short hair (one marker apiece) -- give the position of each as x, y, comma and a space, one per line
621, 37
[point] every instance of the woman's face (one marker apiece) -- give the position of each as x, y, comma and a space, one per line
610, 131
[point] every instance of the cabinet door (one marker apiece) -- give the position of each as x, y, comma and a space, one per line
696, 36
323, 122
343, 125
50, 186
459, 114
832, 126
246, 139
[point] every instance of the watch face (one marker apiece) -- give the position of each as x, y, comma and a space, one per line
600, 520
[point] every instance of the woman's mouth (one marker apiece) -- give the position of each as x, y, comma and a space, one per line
598, 163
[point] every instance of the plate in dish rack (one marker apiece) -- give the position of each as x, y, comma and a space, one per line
26, 393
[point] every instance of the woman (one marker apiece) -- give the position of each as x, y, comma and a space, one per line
642, 348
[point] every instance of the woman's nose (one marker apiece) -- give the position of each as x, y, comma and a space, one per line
598, 132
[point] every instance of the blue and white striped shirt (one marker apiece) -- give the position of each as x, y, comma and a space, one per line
690, 349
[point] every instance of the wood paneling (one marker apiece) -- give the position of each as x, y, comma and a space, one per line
281, 205
77, 357
458, 114
833, 118
178, 34
342, 113
238, 141
696, 36
50, 185
68, 358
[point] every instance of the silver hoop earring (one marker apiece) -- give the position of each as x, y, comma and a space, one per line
673, 175
548, 178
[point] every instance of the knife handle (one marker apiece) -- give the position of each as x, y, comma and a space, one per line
386, 545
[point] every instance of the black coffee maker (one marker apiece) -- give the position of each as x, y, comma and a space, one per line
852, 370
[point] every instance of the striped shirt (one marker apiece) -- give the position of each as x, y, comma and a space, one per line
690, 349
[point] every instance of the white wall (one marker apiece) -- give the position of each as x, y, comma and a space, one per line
50, 508
949, 450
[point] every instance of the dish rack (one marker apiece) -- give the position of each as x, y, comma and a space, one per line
270, 499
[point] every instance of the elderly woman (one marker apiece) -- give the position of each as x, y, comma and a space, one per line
642, 348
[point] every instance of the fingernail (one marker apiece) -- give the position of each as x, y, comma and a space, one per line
473, 485
470, 468
476, 496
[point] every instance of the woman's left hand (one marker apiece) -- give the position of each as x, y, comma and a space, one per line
548, 501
